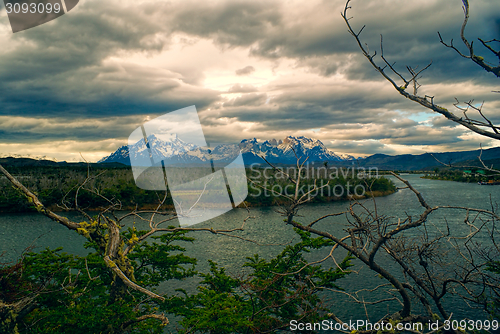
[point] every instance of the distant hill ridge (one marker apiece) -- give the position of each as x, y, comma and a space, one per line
427, 160
34, 162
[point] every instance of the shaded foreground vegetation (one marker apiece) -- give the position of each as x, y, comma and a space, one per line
58, 292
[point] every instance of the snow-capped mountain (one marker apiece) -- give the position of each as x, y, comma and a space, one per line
175, 151
160, 149
282, 151
172, 151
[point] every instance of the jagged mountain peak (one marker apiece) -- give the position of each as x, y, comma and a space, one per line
273, 150
284, 151
164, 138
159, 146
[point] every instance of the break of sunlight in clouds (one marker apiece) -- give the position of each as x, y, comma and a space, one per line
263, 69
67, 150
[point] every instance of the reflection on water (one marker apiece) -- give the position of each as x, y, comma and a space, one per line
19, 231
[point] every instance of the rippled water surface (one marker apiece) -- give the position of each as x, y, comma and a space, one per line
19, 231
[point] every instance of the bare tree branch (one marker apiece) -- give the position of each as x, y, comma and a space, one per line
486, 129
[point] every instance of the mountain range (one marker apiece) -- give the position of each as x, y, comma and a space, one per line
284, 151
175, 151
159, 149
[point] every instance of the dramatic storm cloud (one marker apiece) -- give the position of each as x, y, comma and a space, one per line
265, 69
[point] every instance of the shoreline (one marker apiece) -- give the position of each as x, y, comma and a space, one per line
325, 199
166, 207
458, 181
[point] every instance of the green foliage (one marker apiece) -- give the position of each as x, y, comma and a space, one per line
74, 294
11, 282
267, 187
56, 185
78, 298
461, 176
273, 293
493, 306
157, 262
217, 308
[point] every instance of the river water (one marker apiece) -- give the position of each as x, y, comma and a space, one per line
19, 231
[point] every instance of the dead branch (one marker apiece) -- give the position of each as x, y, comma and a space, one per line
484, 128
470, 45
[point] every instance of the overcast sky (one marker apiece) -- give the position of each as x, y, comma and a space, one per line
266, 69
